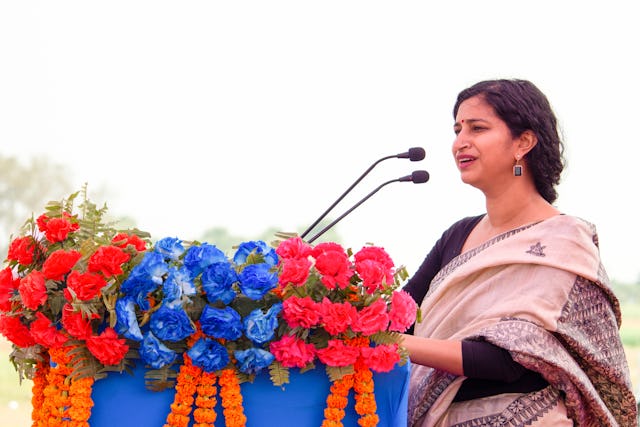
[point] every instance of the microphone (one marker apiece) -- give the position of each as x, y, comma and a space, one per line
417, 177
414, 154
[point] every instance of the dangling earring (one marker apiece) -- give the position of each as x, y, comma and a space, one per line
517, 169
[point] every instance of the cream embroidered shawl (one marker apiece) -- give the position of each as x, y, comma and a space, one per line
540, 292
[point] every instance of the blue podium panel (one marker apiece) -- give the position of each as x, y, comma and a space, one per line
122, 400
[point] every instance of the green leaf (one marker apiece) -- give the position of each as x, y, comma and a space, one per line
279, 374
337, 372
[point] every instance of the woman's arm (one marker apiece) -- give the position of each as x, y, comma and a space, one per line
440, 354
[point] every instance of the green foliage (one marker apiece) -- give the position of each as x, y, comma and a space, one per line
279, 374
337, 372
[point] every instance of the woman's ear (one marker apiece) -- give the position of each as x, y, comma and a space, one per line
526, 141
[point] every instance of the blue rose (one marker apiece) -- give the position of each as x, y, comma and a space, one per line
260, 327
259, 247
200, 257
209, 355
126, 321
253, 360
156, 354
257, 279
170, 247
217, 280
171, 324
221, 323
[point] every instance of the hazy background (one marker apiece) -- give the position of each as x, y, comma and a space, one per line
246, 115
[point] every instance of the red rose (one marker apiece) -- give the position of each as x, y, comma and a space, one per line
338, 354
300, 312
83, 285
75, 324
372, 319
8, 288
32, 289
107, 347
294, 271
122, 240
381, 358
292, 352
60, 263
13, 329
294, 247
107, 260
337, 317
22, 250
45, 334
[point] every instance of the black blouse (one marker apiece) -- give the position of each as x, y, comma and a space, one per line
489, 369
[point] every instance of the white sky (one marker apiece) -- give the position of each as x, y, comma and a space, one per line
250, 114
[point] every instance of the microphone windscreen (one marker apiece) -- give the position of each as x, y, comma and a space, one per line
416, 154
419, 177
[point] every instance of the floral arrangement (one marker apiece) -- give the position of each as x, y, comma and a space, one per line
80, 298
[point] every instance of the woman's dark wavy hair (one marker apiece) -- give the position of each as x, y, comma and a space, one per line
522, 106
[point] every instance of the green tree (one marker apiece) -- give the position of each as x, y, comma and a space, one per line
24, 190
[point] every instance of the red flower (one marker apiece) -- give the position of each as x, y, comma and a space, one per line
333, 264
8, 288
372, 319
338, 354
60, 263
292, 352
375, 268
403, 311
107, 347
75, 324
294, 247
381, 358
22, 250
337, 317
294, 271
107, 260
301, 312
57, 229
83, 285
45, 334
122, 240
374, 253
13, 329
32, 289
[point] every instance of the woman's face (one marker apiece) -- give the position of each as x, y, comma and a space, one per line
484, 149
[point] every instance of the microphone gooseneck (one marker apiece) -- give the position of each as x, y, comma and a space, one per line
417, 177
414, 154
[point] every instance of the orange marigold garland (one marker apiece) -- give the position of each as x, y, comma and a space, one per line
337, 401
365, 399
205, 414
231, 399
37, 392
186, 387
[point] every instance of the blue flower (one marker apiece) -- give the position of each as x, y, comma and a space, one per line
170, 247
221, 323
178, 283
217, 280
257, 279
171, 324
200, 257
144, 278
126, 321
209, 355
269, 254
260, 327
156, 354
253, 360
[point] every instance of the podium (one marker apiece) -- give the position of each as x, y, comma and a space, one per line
122, 400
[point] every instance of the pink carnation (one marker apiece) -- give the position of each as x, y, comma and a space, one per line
338, 354
372, 319
292, 352
32, 289
374, 253
300, 312
337, 317
375, 268
403, 311
295, 271
294, 247
333, 264
381, 358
